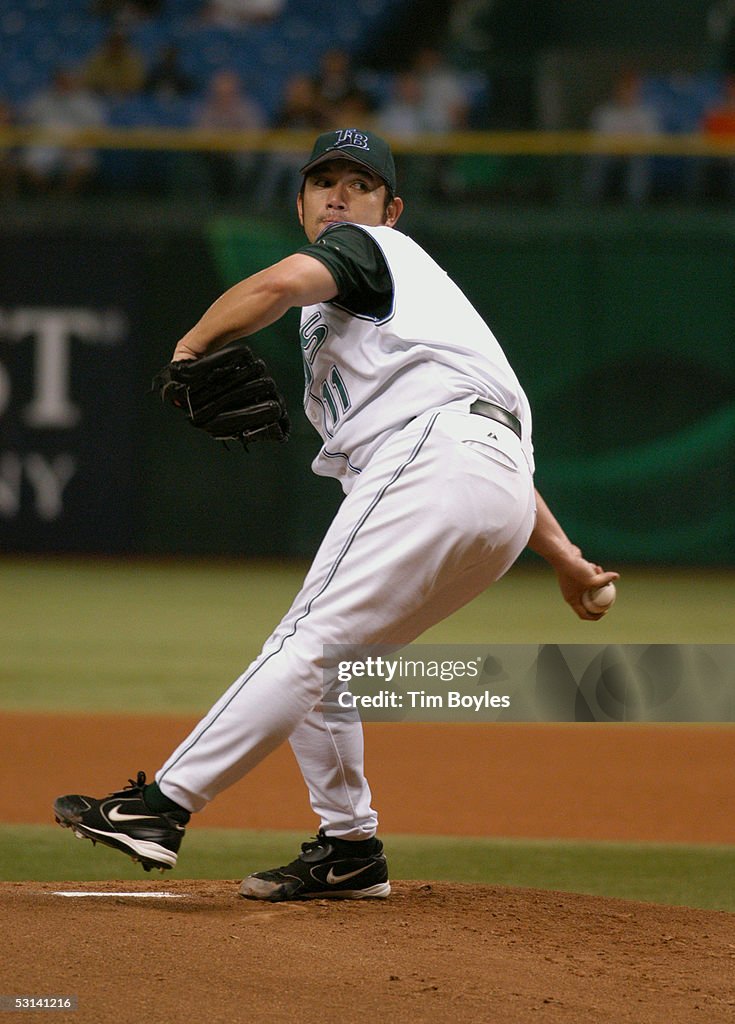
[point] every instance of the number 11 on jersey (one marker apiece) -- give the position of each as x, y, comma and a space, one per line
335, 395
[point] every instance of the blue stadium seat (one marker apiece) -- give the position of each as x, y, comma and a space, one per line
681, 101
36, 35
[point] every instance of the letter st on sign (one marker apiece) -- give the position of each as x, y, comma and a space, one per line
45, 391
50, 333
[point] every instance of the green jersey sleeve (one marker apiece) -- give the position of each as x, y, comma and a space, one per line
364, 283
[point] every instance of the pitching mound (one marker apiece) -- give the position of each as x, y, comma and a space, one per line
168, 951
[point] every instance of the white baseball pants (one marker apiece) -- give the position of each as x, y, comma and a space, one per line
442, 510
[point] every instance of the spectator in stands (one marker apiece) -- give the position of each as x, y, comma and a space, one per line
116, 68
719, 123
720, 118
402, 118
300, 111
445, 101
624, 114
166, 78
334, 81
228, 108
403, 115
9, 155
240, 13
63, 108
444, 108
354, 108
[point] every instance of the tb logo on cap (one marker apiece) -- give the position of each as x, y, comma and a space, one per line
351, 137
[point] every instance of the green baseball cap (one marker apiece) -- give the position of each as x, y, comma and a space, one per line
362, 147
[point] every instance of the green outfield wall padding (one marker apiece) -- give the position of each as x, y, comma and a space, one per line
620, 325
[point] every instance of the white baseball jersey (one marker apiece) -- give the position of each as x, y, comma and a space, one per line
367, 377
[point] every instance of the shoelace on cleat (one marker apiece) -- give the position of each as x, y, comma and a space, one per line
307, 847
139, 783
314, 844
134, 786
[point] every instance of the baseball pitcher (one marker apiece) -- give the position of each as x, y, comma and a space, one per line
426, 426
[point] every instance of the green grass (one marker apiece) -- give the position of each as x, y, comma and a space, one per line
121, 636
694, 876
149, 637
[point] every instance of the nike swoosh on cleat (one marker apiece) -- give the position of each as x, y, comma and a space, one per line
114, 814
333, 879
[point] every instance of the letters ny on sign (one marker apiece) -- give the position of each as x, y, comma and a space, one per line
43, 399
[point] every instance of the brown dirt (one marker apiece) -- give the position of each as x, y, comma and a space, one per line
435, 952
621, 782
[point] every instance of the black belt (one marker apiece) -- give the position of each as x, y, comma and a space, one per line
496, 412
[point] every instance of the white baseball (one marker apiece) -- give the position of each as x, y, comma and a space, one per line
600, 599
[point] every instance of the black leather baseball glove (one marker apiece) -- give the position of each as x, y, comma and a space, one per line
228, 393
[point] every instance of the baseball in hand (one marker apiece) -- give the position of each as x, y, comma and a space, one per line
599, 600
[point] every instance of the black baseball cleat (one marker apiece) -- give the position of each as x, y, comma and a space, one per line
124, 821
326, 868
